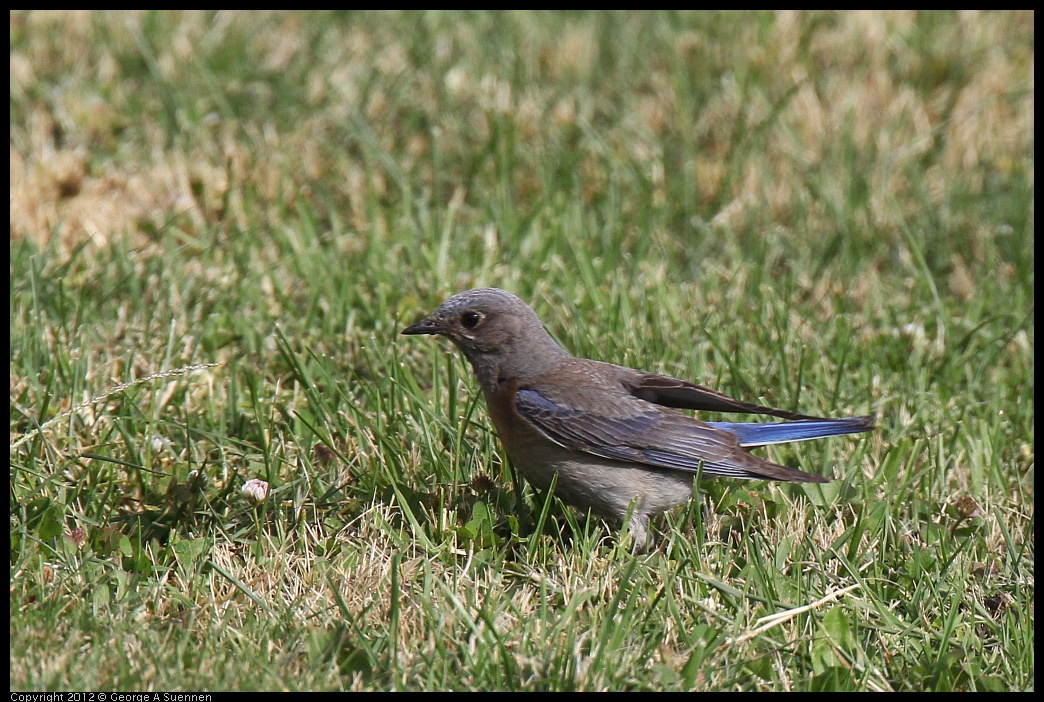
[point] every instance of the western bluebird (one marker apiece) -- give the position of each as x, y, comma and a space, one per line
605, 430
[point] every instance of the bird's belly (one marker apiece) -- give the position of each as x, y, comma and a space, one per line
606, 487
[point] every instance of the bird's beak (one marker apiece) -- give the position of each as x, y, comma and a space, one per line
425, 326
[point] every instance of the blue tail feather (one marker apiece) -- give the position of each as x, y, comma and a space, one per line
752, 434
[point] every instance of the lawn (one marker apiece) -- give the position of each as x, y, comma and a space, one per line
221, 221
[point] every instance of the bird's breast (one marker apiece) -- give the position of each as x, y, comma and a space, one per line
511, 427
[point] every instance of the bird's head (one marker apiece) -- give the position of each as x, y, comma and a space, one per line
488, 323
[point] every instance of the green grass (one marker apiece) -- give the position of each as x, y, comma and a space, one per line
830, 213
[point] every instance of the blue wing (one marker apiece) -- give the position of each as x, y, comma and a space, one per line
624, 428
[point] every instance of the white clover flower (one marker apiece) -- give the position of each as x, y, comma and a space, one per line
197, 480
160, 443
255, 491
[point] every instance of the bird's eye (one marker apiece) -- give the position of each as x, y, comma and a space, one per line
470, 319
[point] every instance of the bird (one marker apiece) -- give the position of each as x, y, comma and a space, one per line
609, 438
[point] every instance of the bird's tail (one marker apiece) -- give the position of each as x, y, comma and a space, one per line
753, 434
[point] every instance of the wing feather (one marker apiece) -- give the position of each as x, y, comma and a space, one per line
628, 429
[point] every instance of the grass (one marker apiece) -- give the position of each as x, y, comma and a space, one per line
221, 221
